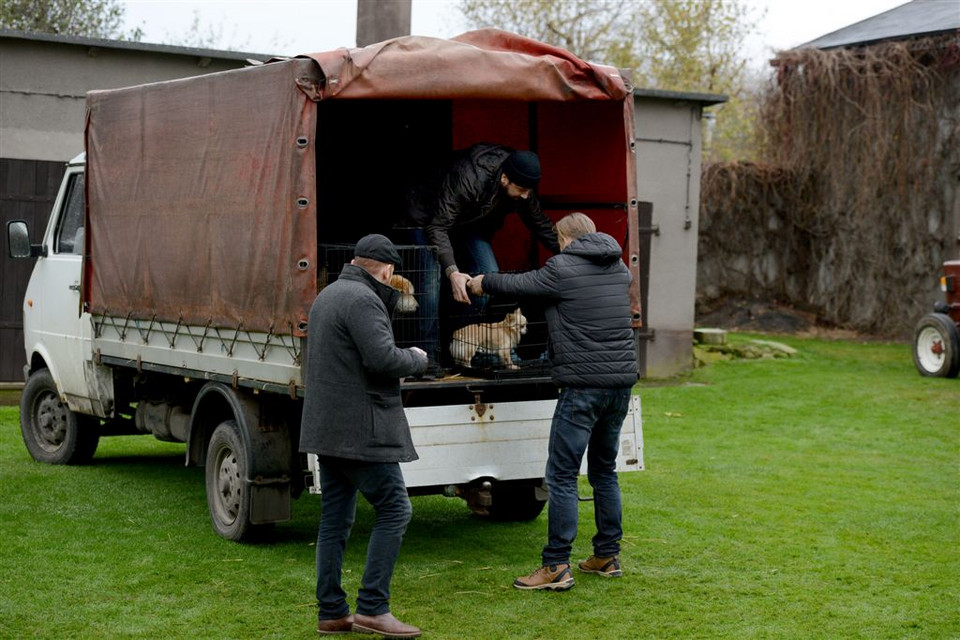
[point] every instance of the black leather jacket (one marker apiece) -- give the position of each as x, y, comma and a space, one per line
466, 197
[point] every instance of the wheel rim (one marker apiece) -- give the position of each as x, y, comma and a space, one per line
931, 352
229, 485
50, 424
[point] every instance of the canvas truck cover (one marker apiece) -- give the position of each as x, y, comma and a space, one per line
201, 192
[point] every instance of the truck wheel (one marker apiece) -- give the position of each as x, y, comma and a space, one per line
515, 501
51, 431
228, 494
936, 346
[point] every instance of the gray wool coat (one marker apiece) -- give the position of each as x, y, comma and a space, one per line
352, 406
586, 290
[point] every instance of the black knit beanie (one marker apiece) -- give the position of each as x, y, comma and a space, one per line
523, 169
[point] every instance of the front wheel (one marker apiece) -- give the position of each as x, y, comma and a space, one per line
51, 431
936, 346
228, 492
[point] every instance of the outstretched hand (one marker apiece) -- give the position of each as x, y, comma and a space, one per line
475, 285
458, 282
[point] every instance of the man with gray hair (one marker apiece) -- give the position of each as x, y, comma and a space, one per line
586, 291
354, 421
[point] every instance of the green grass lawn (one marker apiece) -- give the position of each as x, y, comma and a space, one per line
811, 497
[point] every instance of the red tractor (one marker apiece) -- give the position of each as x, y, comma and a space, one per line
936, 344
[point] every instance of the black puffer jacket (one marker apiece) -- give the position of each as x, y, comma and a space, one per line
586, 288
352, 407
465, 197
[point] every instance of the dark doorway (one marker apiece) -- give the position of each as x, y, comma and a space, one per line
28, 189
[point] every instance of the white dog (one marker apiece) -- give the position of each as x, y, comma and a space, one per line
496, 337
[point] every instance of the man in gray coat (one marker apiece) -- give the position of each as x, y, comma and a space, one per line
354, 421
586, 290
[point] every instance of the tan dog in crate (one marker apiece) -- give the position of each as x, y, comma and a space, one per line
408, 303
495, 337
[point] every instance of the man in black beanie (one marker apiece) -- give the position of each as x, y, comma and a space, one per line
461, 207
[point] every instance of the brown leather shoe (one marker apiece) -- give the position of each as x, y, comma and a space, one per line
554, 577
336, 625
384, 624
606, 567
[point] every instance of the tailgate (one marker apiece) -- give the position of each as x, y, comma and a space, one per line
459, 444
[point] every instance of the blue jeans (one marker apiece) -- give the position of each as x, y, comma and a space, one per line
585, 417
381, 483
474, 256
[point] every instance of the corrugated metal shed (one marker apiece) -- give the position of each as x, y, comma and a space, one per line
913, 19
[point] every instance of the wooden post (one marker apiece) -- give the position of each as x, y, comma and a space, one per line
379, 20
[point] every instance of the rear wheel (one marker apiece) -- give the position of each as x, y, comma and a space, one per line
516, 501
936, 346
51, 431
228, 493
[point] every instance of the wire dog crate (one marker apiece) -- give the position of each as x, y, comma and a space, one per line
498, 337
415, 318
491, 338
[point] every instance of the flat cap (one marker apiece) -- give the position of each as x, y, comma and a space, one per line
377, 247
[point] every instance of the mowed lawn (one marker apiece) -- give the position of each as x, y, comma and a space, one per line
810, 497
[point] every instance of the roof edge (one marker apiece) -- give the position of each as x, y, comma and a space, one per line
130, 45
706, 99
867, 43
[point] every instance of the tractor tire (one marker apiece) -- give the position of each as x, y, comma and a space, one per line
936, 346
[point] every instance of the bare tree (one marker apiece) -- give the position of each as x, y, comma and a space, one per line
594, 30
90, 18
680, 45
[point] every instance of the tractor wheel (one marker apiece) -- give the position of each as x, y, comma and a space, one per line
936, 346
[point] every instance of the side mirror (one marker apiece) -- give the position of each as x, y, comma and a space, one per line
18, 241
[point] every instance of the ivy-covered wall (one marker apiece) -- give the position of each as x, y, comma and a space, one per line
856, 204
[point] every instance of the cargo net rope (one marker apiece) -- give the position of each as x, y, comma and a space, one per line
493, 337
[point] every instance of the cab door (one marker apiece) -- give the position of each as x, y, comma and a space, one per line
54, 326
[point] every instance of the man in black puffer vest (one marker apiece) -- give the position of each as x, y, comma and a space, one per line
586, 289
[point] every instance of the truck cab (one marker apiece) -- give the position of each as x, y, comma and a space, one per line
63, 394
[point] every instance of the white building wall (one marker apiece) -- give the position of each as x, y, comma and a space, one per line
668, 135
43, 83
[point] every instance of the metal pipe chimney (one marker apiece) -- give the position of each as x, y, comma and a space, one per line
379, 20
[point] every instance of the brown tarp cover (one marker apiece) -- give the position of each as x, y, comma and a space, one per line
202, 192
478, 64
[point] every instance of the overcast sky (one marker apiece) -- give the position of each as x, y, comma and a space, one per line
290, 27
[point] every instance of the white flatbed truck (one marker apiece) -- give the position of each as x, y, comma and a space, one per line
172, 284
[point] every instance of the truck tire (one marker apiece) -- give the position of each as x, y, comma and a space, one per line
515, 501
936, 346
228, 494
51, 431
